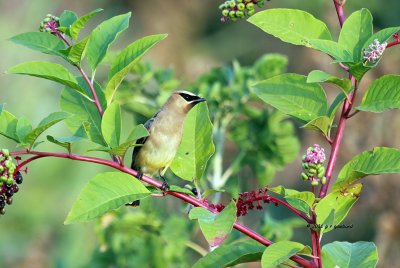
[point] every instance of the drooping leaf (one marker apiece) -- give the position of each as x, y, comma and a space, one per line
231, 254
215, 227
111, 124
65, 142
318, 76
24, 127
138, 132
51, 71
303, 201
338, 201
103, 193
350, 255
382, 95
84, 111
321, 124
8, 125
279, 252
46, 123
380, 160
127, 59
103, 36
332, 48
39, 41
76, 52
196, 147
291, 25
80, 23
292, 95
355, 31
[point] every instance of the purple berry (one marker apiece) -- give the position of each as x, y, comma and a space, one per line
18, 177
9, 192
15, 188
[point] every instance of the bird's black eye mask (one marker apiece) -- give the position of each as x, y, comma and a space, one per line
188, 97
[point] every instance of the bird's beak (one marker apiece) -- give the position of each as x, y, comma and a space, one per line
200, 100
195, 102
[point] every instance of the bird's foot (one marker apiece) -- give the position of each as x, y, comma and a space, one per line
165, 185
139, 174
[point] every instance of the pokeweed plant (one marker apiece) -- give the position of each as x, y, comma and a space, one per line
91, 112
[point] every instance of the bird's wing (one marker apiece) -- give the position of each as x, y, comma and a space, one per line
136, 149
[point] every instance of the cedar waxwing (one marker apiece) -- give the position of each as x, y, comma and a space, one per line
166, 129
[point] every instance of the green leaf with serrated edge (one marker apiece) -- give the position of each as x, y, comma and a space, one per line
279, 252
339, 201
43, 42
103, 193
292, 95
84, 111
174, 188
383, 94
318, 76
382, 36
80, 23
127, 59
380, 160
350, 255
138, 132
8, 125
355, 31
46, 123
333, 49
215, 227
103, 36
197, 145
303, 201
321, 124
76, 52
67, 18
24, 127
51, 71
291, 25
231, 254
335, 105
111, 125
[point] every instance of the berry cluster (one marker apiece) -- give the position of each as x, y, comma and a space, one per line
374, 51
313, 160
49, 24
236, 9
9, 179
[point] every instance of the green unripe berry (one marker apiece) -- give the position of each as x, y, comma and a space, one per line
232, 4
248, 1
250, 12
312, 165
323, 180
321, 170
5, 152
250, 6
1, 169
239, 1
304, 176
11, 170
48, 30
4, 178
49, 15
10, 181
2, 211
312, 171
239, 14
225, 12
7, 163
241, 6
232, 14
314, 183
46, 20
221, 6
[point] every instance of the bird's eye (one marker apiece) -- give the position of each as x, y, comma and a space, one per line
188, 97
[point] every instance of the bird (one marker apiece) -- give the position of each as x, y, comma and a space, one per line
158, 149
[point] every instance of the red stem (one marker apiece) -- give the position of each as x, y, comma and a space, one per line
396, 42
245, 230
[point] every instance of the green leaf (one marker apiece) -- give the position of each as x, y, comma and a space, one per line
65, 142
355, 31
46, 123
292, 95
350, 255
291, 25
382, 95
231, 254
321, 124
67, 18
210, 192
39, 41
103, 36
338, 201
76, 52
127, 59
103, 193
79, 24
24, 127
174, 188
335, 105
8, 125
197, 145
380, 160
84, 111
215, 227
279, 252
138, 132
51, 71
111, 125
333, 49
318, 76
303, 201
283, 191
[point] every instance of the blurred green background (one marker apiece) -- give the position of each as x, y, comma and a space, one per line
32, 233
